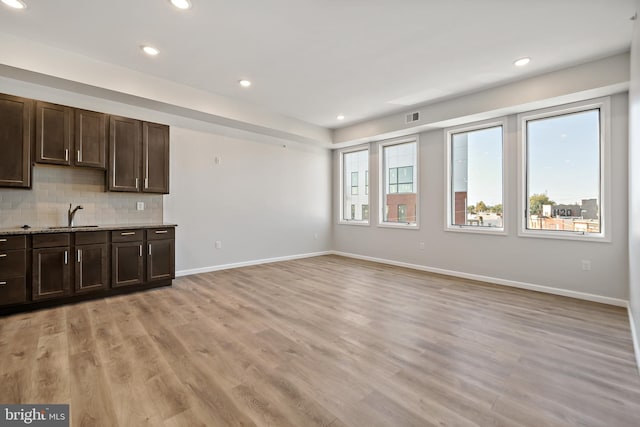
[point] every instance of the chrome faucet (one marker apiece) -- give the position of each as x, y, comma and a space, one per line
72, 213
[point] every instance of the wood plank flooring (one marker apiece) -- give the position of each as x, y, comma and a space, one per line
326, 341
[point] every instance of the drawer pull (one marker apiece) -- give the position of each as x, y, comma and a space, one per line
3, 240
66, 154
3, 283
3, 255
140, 254
161, 231
79, 256
66, 257
149, 249
129, 233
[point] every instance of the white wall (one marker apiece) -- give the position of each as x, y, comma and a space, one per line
541, 262
264, 200
634, 184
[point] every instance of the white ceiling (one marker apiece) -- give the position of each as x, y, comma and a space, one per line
315, 59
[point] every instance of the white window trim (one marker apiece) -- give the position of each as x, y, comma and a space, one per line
382, 181
604, 104
341, 153
449, 132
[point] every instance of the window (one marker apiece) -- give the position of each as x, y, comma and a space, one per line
475, 178
399, 195
354, 183
366, 182
564, 158
355, 173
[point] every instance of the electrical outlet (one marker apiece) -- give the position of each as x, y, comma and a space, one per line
140, 206
421, 245
315, 236
586, 265
218, 244
217, 160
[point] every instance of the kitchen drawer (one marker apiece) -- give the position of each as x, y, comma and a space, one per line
8, 243
13, 291
91, 237
51, 240
160, 233
12, 264
126, 235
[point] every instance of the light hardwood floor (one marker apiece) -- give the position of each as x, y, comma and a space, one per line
326, 341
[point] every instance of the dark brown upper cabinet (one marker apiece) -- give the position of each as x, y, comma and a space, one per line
54, 133
90, 139
65, 136
16, 129
155, 157
138, 156
125, 147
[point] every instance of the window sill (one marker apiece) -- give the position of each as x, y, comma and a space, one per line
400, 226
559, 235
493, 231
354, 222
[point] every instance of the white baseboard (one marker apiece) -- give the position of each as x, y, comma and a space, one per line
634, 337
493, 280
249, 263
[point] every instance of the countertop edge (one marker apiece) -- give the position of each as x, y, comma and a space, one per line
80, 228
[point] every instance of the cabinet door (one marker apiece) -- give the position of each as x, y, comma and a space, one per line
50, 272
92, 268
125, 146
15, 140
127, 264
53, 133
155, 158
90, 139
161, 260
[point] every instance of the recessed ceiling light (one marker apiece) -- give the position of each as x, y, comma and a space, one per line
245, 83
521, 62
16, 4
181, 4
340, 117
152, 51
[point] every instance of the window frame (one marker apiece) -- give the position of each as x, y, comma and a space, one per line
604, 105
448, 140
341, 206
382, 183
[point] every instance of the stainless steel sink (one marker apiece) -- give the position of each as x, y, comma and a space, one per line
66, 227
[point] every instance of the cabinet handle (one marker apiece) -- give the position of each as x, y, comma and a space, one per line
79, 156
66, 257
136, 183
149, 249
128, 233
66, 154
161, 231
3, 283
146, 183
140, 250
79, 256
3, 240
3, 255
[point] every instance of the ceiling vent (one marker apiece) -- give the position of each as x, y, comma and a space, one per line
412, 117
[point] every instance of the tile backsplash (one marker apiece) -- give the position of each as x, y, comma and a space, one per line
55, 187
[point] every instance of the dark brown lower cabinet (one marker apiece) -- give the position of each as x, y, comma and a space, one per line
92, 268
51, 273
160, 260
127, 264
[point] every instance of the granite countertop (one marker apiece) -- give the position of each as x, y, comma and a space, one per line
63, 229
